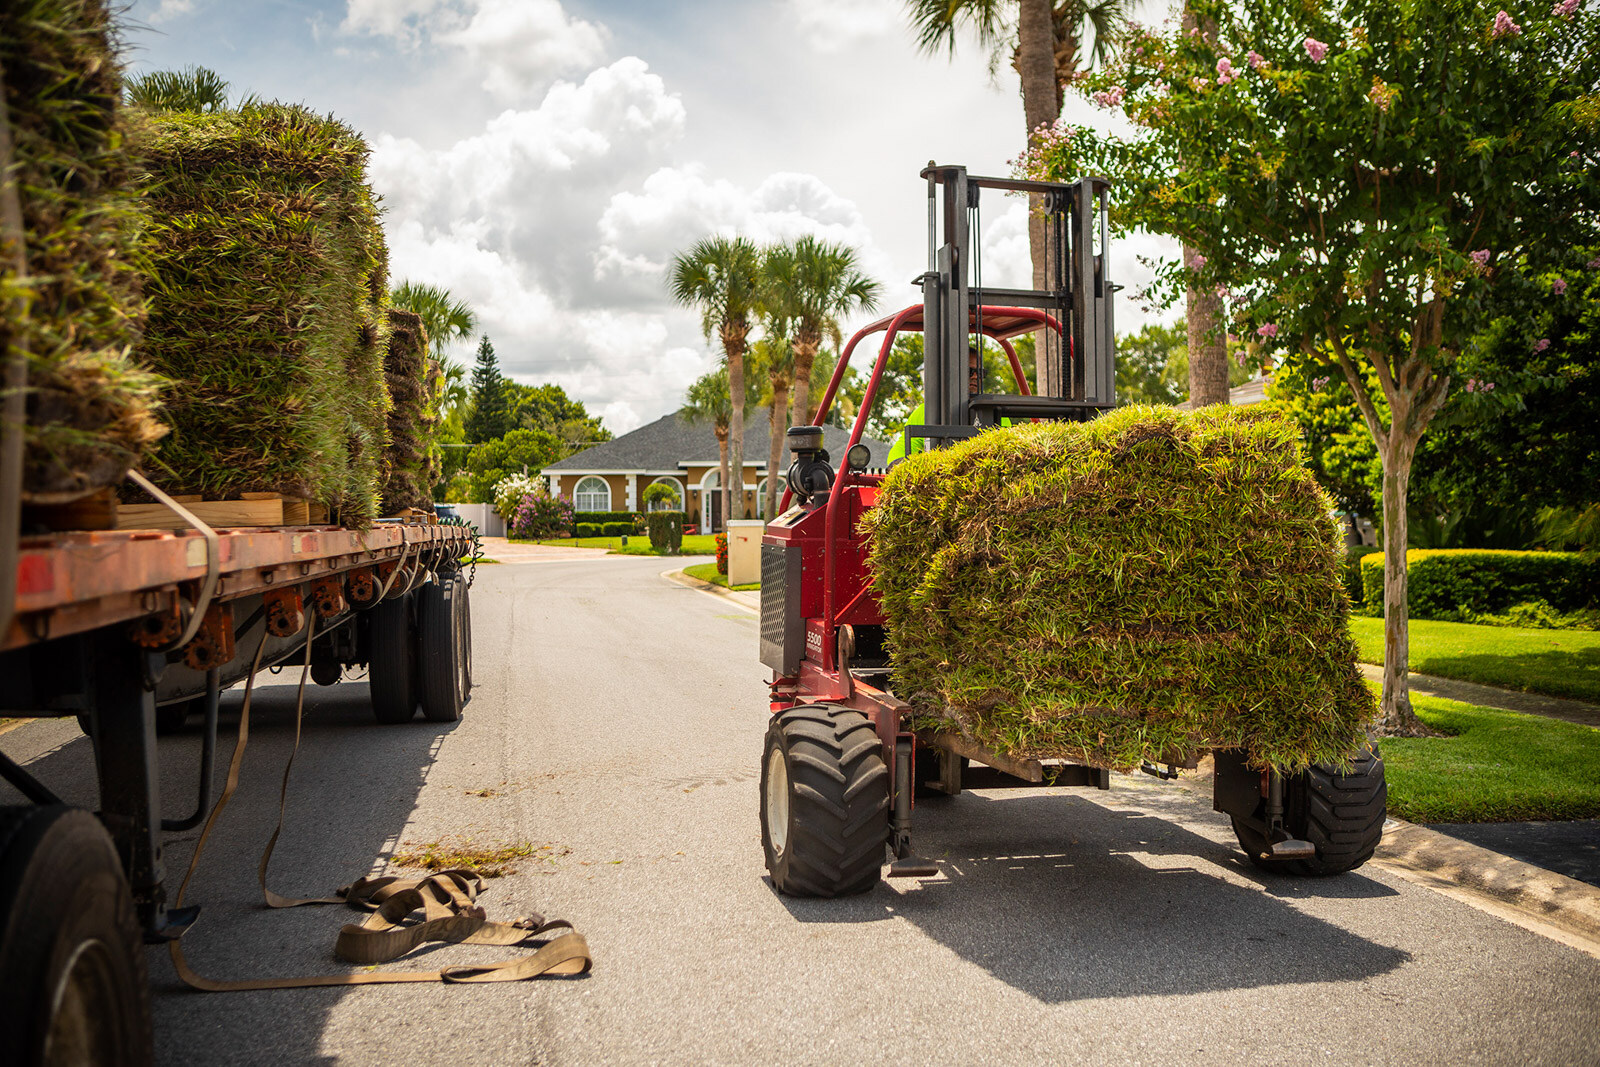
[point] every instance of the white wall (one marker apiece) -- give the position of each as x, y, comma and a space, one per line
483, 517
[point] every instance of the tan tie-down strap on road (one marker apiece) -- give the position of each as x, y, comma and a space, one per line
446, 901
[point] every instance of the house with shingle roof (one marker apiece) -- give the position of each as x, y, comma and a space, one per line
681, 452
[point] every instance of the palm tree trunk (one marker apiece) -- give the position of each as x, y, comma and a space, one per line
722, 452
1036, 66
805, 354
779, 418
733, 343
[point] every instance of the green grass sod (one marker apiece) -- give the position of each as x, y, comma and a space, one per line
1560, 663
91, 406
1495, 766
707, 572
638, 544
1144, 583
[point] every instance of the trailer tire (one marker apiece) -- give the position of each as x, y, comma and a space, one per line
1342, 814
824, 802
391, 670
441, 653
74, 987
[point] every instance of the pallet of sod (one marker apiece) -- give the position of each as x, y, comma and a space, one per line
76, 309
1148, 583
268, 276
409, 468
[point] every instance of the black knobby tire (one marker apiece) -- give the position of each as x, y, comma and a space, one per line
441, 676
391, 673
824, 802
1340, 813
73, 982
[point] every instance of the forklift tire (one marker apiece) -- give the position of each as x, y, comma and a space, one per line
172, 718
391, 674
73, 982
824, 802
441, 655
1341, 814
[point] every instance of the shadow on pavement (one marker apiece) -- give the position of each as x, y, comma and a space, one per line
1066, 900
354, 786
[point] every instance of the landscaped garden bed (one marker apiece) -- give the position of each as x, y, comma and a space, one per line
638, 544
707, 572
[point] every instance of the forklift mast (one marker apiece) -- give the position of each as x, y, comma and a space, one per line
1076, 376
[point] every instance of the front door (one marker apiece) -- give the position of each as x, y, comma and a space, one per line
711, 511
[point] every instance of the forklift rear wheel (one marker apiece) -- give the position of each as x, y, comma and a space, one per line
391, 672
824, 802
441, 655
1342, 814
73, 984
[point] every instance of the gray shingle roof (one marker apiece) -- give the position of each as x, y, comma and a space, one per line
673, 440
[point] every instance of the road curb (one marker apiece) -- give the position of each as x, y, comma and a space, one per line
1563, 902
706, 587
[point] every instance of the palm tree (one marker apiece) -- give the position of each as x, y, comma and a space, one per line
721, 278
774, 355
446, 319
708, 400
190, 89
1046, 44
814, 283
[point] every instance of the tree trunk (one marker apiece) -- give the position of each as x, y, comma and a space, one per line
1036, 67
1208, 347
1395, 716
722, 452
733, 343
779, 418
805, 354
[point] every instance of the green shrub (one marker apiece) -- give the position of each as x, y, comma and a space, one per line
602, 516
589, 529
666, 530
1353, 588
1447, 584
1537, 615
1143, 584
616, 529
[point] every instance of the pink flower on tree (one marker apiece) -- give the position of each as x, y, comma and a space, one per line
1593, 264
1541, 344
1257, 60
1110, 98
1559, 286
1197, 261
1317, 50
1481, 257
1267, 329
1566, 8
1225, 71
1472, 385
1503, 26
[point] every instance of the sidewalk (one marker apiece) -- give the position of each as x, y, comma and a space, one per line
1489, 696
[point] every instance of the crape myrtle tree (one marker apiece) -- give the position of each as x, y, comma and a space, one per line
1365, 179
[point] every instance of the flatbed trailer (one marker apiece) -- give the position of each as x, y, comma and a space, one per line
132, 632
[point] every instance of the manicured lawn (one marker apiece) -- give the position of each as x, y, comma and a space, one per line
1498, 766
1562, 663
707, 572
638, 544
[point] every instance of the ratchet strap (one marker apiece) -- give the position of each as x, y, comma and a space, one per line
404, 913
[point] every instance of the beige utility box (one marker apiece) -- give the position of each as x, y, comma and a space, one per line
744, 550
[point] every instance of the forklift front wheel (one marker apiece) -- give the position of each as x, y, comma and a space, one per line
824, 802
1341, 812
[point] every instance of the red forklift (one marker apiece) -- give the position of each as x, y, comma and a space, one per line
842, 762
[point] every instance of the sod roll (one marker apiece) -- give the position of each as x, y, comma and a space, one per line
267, 283
407, 372
77, 311
1138, 586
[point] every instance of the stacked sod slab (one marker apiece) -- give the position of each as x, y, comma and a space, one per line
410, 458
1149, 583
268, 274
77, 309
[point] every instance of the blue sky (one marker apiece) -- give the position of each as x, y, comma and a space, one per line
544, 159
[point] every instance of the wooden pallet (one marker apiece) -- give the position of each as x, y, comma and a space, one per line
103, 511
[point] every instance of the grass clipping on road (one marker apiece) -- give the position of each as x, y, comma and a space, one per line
1129, 588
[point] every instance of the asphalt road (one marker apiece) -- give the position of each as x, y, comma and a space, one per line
618, 721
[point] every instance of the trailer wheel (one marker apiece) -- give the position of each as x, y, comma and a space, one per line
824, 802
1341, 814
391, 674
73, 983
441, 653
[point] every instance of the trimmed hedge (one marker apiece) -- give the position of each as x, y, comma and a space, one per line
665, 529
616, 529
589, 529
604, 516
1442, 583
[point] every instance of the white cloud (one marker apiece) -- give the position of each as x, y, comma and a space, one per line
834, 25
405, 20
171, 9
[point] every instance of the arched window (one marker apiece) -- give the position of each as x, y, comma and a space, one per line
665, 505
591, 494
